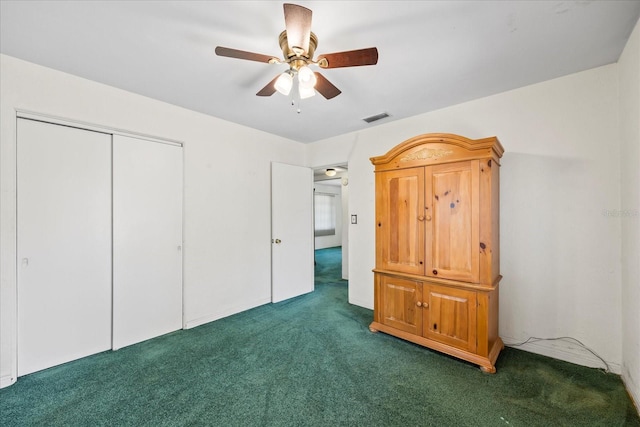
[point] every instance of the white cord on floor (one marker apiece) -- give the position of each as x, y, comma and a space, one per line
536, 339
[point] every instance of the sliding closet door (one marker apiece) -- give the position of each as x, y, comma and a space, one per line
64, 244
147, 239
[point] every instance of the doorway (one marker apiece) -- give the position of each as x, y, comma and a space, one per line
331, 218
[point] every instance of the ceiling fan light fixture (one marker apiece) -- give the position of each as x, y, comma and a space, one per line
284, 83
306, 77
306, 92
330, 172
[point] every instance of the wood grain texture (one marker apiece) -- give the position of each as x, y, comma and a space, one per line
455, 223
450, 317
398, 307
297, 21
325, 87
269, 89
437, 245
242, 54
399, 228
350, 58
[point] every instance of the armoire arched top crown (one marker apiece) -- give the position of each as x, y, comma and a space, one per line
438, 148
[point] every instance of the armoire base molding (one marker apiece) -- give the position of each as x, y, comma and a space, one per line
487, 364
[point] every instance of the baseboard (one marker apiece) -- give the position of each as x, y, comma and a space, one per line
6, 381
563, 350
363, 304
632, 388
188, 324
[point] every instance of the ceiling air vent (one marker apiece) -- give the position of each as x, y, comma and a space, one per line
376, 117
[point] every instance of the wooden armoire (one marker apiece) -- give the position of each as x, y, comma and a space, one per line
438, 245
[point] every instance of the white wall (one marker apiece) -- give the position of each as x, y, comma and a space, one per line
560, 172
227, 189
629, 75
346, 221
322, 242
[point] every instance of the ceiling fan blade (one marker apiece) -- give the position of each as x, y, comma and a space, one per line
241, 54
297, 21
270, 88
351, 58
325, 87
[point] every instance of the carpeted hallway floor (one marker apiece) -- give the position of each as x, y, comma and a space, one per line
309, 361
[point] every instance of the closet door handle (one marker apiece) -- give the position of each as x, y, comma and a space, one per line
421, 218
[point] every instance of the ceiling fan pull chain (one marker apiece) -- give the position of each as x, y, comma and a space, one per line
293, 102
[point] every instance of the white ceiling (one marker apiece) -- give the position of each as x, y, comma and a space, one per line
432, 54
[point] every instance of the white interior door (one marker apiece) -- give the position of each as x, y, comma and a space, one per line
63, 245
291, 231
147, 239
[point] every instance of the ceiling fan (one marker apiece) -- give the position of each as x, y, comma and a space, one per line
298, 46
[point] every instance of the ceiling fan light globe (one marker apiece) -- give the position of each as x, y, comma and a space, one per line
284, 83
306, 77
306, 92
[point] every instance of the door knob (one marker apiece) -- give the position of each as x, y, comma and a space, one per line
428, 218
278, 241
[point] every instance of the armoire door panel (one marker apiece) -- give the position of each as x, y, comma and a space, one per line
452, 193
63, 244
400, 221
147, 239
450, 316
398, 304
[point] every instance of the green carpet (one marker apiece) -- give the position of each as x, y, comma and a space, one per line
309, 361
329, 266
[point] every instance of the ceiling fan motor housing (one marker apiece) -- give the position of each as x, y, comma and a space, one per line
291, 54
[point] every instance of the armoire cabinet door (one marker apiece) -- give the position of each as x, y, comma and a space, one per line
450, 316
398, 299
452, 245
400, 220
